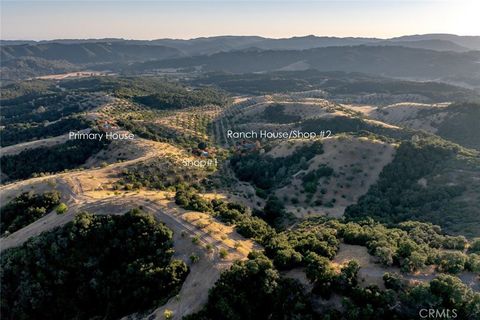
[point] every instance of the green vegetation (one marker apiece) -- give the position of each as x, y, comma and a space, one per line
411, 245
310, 180
26, 89
443, 292
22, 132
40, 107
461, 126
398, 195
475, 246
189, 200
275, 113
160, 133
291, 248
178, 98
261, 83
25, 209
334, 84
267, 172
153, 92
61, 208
163, 174
25, 67
272, 297
50, 159
26, 114
276, 297
430, 182
61, 275
353, 125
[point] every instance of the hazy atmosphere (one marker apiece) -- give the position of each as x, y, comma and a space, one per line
240, 160
42, 20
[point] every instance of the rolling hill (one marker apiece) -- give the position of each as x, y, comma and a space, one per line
88, 52
381, 60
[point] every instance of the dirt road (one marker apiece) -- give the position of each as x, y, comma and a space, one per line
195, 233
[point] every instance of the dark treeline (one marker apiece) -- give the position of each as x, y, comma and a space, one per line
274, 297
96, 267
43, 107
181, 98
332, 83
158, 132
355, 125
266, 172
398, 196
254, 289
50, 159
25, 209
275, 113
154, 92
22, 132
461, 126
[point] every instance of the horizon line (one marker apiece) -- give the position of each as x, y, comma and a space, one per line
243, 35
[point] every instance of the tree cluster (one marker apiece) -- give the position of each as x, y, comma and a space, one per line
398, 196
104, 267
254, 289
22, 132
25, 209
267, 172
61, 157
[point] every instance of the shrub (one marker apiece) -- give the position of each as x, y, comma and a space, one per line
61, 208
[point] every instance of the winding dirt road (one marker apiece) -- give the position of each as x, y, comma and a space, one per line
195, 233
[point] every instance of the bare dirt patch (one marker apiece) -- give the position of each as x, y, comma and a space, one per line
71, 75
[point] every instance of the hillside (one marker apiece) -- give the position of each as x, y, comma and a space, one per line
429, 180
454, 122
359, 192
472, 42
342, 87
447, 58
381, 60
88, 52
209, 45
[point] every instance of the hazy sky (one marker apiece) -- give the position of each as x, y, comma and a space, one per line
187, 19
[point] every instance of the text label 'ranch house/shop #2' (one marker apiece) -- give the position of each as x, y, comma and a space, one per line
264, 134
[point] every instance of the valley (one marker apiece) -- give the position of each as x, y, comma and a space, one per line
239, 160
353, 199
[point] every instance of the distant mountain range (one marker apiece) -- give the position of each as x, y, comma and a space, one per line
200, 46
88, 52
388, 61
423, 57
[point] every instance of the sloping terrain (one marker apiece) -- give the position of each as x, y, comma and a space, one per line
428, 180
88, 52
356, 164
309, 204
88, 191
381, 60
454, 122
